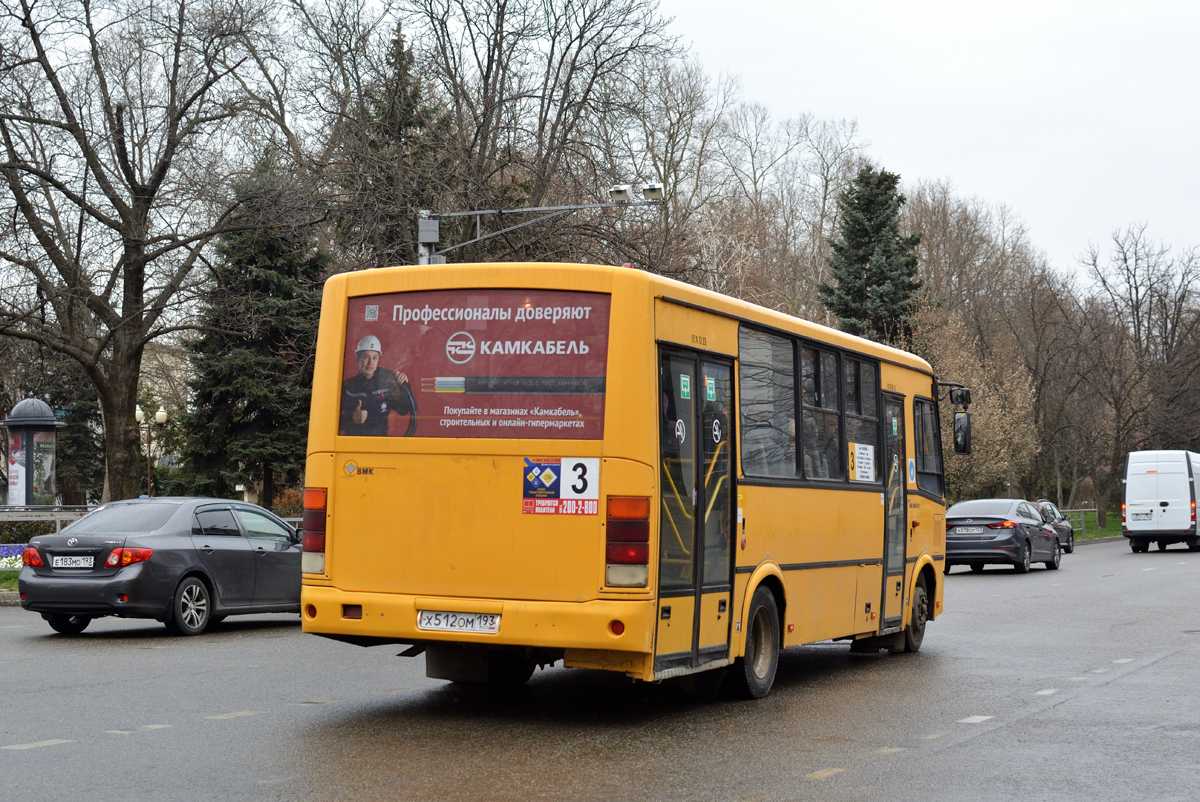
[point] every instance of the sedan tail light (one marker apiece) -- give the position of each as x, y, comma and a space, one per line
312, 561
31, 558
124, 557
1003, 525
627, 542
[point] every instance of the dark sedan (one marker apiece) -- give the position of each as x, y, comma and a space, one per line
999, 530
183, 561
1066, 532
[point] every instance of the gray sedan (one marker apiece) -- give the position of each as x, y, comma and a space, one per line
186, 562
1000, 530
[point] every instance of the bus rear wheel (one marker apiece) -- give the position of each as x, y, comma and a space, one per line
754, 673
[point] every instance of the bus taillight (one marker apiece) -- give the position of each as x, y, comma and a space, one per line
627, 547
312, 561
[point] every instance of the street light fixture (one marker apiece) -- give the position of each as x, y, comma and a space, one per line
621, 193
160, 418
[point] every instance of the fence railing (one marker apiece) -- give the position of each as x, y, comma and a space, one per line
59, 515
1081, 517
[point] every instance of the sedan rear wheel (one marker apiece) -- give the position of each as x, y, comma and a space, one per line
1070, 547
1052, 565
190, 608
1023, 566
68, 624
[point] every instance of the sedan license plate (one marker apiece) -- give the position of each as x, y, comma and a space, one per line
71, 562
969, 530
1143, 516
458, 622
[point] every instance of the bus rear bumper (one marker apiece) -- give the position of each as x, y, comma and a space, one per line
392, 618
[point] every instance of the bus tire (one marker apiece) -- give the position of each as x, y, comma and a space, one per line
754, 673
508, 669
914, 633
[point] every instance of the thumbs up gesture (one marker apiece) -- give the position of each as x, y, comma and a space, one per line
359, 415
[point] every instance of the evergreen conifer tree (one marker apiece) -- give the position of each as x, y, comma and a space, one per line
248, 419
873, 266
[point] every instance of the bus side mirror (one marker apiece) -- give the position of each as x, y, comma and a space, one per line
962, 432
960, 396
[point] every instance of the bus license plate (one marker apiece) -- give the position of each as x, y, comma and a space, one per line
1143, 516
458, 622
71, 562
969, 530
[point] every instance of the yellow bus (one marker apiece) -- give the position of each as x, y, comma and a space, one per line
515, 464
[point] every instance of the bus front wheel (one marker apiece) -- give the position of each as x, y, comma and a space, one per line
914, 633
755, 671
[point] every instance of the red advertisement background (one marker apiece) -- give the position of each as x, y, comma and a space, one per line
418, 348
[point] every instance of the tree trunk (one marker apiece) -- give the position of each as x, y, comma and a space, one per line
268, 491
122, 440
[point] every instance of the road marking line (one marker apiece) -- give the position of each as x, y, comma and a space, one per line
22, 626
1047, 692
142, 728
974, 719
889, 750
238, 714
1149, 569
397, 690
1099, 670
1124, 660
823, 774
318, 702
929, 737
36, 744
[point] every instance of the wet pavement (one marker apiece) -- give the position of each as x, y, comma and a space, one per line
1080, 683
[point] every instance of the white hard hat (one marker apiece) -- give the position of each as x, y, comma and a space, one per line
368, 343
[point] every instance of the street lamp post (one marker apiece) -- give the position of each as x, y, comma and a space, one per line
428, 223
160, 418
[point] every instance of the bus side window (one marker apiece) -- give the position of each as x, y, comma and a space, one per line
821, 414
862, 420
766, 376
928, 446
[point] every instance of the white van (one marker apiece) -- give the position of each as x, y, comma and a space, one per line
1159, 502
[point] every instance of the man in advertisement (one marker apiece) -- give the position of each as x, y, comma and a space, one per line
369, 396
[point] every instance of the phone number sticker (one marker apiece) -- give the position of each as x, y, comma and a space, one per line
561, 486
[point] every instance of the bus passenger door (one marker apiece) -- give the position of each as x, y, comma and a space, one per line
696, 528
895, 514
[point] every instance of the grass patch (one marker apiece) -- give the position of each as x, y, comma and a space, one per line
8, 580
1112, 528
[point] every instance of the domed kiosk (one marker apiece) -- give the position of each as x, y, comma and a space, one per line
31, 461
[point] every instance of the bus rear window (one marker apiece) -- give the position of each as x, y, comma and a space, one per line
476, 363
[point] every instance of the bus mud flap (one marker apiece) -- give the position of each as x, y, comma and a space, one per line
893, 643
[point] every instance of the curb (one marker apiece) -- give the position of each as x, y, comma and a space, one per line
10, 598
1089, 541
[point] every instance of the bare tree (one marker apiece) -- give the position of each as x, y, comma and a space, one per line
115, 121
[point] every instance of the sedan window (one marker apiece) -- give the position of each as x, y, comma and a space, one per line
981, 507
218, 523
124, 519
259, 525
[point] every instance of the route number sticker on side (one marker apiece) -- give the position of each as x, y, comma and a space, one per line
561, 486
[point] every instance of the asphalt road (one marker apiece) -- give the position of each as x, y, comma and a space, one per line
1076, 684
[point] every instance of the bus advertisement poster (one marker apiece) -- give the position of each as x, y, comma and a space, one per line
494, 363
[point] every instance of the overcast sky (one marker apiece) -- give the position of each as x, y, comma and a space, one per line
1080, 116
